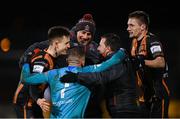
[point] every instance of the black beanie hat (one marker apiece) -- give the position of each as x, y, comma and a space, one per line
86, 23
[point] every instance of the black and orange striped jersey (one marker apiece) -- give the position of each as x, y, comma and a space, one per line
43, 59
40, 62
21, 94
32, 50
153, 90
152, 78
22, 101
26, 95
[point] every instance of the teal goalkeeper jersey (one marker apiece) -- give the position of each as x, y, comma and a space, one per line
69, 100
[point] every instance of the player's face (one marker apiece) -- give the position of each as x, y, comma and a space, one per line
63, 45
102, 48
84, 37
134, 28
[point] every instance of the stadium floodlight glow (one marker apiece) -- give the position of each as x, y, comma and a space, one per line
5, 44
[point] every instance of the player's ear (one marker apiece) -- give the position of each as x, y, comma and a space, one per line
143, 26
108, 48
56, 43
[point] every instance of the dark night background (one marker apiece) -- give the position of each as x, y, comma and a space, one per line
27, 22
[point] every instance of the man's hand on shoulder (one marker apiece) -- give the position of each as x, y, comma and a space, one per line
70, 77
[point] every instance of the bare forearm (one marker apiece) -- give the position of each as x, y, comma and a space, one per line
159, 62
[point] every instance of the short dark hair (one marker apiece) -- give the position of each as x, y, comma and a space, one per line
58, 31
113, 41
76, 51
142, 16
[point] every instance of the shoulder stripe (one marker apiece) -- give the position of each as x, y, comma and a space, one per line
38, 57
50, 61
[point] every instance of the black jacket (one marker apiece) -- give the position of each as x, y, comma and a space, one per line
120, 84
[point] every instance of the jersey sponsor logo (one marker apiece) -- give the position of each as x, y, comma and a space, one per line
61, 102
156, 48
38, 68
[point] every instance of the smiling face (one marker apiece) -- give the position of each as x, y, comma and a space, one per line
103, 48
84, 37
135, 28
62, 44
